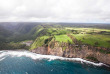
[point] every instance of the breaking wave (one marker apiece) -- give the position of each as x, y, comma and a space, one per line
35, 56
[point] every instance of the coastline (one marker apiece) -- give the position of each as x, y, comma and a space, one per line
77, 53
35, 56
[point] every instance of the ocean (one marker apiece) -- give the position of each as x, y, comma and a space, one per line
25, 62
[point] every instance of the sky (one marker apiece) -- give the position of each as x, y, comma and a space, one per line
90, 11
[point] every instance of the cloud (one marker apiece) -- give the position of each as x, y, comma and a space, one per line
55, 11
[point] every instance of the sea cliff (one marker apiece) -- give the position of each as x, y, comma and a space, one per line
87, 52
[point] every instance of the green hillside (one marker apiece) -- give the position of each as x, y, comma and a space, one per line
95, 40
42, 34
63, 38
90, 36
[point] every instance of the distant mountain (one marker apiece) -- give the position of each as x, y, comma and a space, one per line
4, 34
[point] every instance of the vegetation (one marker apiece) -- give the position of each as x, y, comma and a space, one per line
104, 51
12, 45
39, 42
43, 33
92, 58
94, 39
63, 38
87, 36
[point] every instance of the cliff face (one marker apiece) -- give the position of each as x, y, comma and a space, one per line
74, 51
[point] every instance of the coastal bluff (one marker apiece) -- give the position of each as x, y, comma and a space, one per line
74, 51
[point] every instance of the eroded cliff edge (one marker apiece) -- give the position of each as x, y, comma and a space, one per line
50, 46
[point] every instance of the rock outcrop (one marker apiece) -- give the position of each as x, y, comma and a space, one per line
74, 51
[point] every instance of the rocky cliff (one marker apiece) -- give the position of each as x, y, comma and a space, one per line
74, 51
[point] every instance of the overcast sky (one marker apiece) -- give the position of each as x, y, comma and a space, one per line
55, 11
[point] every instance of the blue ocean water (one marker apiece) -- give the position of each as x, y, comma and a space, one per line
15, 62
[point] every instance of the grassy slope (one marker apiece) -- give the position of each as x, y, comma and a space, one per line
60, 34
87, 29
63, 38
91, 39
38, 42
102, 39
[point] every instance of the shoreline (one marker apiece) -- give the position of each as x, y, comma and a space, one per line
33, 55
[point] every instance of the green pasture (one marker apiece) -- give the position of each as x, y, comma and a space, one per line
63, 38
94, 39
39, 42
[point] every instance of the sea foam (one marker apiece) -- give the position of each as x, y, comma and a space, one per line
35, 56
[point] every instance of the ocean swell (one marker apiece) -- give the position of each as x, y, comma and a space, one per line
35, 56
